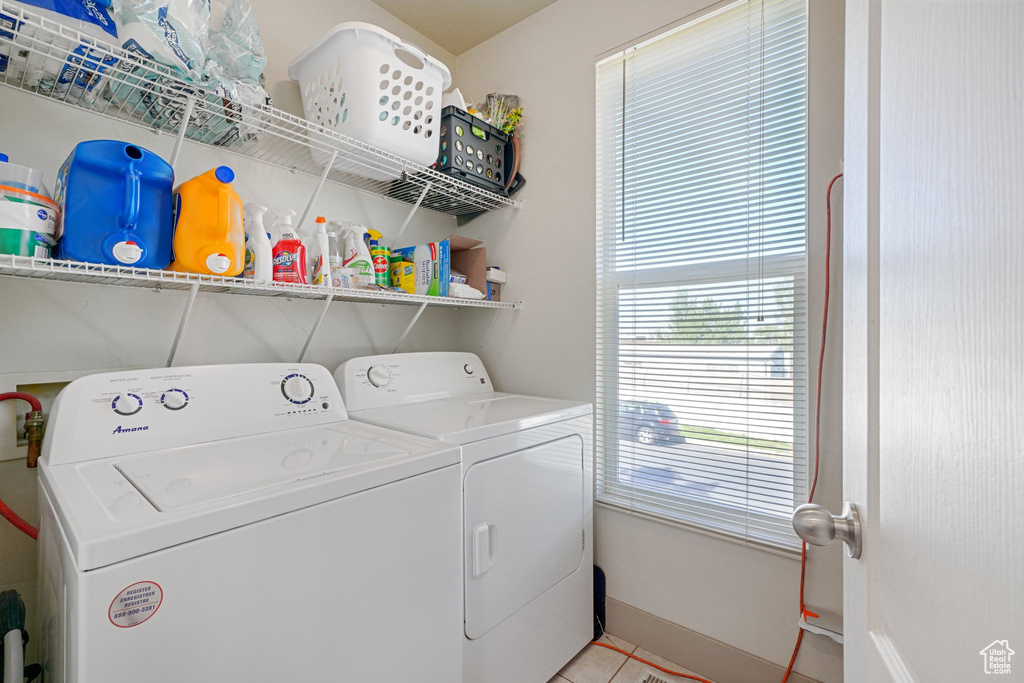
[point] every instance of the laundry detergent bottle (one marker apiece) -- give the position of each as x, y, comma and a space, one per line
289, 252
115, 205
209, 237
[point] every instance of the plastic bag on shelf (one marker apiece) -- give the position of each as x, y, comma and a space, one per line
64, 64
236, 44
170, 32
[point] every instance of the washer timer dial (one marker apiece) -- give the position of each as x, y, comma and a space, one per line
297, 388
379, 376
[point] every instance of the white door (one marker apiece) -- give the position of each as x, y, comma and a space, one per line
934, 339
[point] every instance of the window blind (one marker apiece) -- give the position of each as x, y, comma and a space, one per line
701, 289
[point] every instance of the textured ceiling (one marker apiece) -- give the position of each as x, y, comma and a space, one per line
458, 25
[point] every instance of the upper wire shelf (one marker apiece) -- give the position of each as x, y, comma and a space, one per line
35, 56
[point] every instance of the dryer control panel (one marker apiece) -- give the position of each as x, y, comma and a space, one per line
399, 378
137, 411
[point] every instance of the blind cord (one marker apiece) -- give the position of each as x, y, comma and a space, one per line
817, 416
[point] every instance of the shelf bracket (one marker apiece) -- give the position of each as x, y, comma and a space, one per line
426, 188
190, 105
408, 328
192, 292
316, 192
316, 325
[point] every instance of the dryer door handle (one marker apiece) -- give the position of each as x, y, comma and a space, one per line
485, 548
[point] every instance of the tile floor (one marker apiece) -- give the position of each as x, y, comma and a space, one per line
601, 665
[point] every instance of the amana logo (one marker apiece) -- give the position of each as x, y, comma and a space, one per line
121, 430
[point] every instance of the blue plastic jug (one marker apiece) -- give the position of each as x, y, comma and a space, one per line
115, 201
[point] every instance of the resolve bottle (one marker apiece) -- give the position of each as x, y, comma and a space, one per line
289, 252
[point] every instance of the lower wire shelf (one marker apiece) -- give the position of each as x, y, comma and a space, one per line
26, 267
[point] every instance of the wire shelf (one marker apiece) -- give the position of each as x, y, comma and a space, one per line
38, 55
123, 276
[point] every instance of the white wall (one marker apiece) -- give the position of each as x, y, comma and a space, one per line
744, 597
49, 328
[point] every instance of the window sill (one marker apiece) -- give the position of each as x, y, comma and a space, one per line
783, 551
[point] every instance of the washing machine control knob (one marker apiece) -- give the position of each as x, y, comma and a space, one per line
174, 399
378, 376
297, 388
469, 368
126, 404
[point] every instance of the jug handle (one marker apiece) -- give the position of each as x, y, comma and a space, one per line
131, 201
224, 205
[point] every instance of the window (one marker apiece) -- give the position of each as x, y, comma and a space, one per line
701, 289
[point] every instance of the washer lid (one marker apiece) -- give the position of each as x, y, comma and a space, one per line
125, 506
207, 473
465, 419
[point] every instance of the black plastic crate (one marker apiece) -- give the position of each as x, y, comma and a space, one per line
473, 150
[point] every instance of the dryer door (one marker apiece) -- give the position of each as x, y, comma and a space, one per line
523, 528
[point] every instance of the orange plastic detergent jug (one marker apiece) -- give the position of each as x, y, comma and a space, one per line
209, 237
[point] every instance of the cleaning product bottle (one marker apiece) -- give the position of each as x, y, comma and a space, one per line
379, 254
259, 262
289, 252
209, 237
321, 254
334, 258
356, 255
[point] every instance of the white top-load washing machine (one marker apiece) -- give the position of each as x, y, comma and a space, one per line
527, 504
229, 523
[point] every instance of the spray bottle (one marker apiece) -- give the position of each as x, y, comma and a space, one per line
321, 254
289, 252
258, 257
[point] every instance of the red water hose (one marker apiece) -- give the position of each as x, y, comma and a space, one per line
6, 512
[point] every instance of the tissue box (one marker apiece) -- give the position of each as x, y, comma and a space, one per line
430, 267
433, 263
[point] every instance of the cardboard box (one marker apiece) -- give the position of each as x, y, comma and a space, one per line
470, 259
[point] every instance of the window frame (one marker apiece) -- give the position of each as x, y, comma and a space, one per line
608, 424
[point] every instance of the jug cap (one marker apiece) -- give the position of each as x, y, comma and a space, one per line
4, 158
224, 174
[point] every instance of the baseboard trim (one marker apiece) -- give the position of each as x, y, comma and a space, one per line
719, 661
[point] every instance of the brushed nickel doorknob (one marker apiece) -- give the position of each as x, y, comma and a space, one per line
817, 526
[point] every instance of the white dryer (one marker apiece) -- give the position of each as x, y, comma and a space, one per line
527, 504
229, 523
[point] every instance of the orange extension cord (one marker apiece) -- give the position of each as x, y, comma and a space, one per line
817, 416
817, 452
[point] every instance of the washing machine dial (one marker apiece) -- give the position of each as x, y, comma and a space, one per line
297, 388
126, 403
174, 399
379, 376
469, 368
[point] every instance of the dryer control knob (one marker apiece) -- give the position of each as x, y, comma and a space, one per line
127, 404
469, 368
297, 388
378, 376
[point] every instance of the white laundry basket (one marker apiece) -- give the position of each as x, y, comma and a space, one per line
370, 85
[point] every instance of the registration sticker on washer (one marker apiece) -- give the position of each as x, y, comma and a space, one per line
135, 604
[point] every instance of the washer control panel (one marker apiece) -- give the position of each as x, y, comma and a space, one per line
144, 410
377, 381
